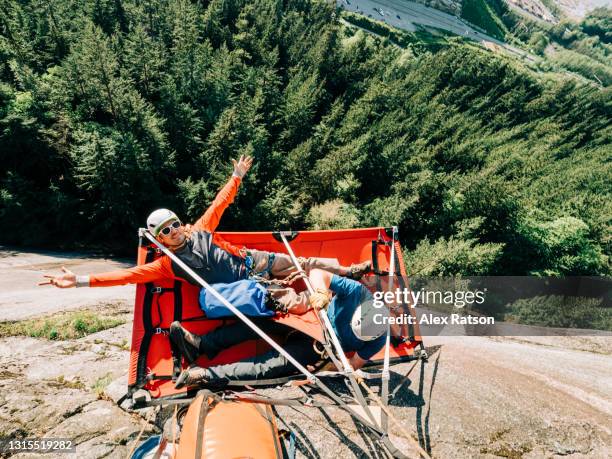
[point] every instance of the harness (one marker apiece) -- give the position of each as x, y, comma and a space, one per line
249, 263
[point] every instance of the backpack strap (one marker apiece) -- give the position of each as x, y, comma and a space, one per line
178, 316
141, 366
205, 407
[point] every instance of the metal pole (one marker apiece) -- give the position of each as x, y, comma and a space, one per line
386, 376
320, 320
312, 378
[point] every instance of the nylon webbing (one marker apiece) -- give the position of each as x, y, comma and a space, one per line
385, 373
204, 407
147, 305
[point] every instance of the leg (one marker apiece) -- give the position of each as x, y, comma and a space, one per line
320, 279
192, 345
282, 265
324, 283
225, 337
269, 365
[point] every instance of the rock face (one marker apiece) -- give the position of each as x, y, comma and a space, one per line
58, 390
534, 8
476, 398
578, 9
20, 297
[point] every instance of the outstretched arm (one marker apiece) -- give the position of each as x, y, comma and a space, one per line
150, 272
210, 220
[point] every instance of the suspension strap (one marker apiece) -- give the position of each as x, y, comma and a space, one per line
205, 406
406, 435
178, 316
395, 267
256, 398
156, 329
385, 372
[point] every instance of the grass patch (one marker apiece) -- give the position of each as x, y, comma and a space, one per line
101, 384
61, 381
62, 326
123, 345
509, 452
479, 13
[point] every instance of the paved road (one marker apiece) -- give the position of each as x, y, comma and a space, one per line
413, 14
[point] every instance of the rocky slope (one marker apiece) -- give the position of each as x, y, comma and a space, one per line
476, 397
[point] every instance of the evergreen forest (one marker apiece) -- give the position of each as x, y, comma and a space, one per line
110, 109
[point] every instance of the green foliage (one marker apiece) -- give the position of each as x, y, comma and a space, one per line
279, 209
397, 36
583, 48
193, 194
445, 257
565, 247
481, 14
598, 23
114, 171
109, 110
333, 214
561, 312
538, 42
101, 384
584, 65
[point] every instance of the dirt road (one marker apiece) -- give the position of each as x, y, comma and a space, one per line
476, 397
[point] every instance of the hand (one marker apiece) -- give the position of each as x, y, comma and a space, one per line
66, 280
319, 299
242, 166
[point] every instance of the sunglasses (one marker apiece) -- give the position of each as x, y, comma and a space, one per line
168, 229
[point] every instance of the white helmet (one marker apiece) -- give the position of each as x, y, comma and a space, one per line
157, 219
364, 326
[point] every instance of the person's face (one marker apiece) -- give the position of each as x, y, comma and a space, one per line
175, 234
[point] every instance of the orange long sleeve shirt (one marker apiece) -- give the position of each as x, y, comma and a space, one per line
162, 267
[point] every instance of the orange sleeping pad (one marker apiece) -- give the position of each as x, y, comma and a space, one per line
219, 429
